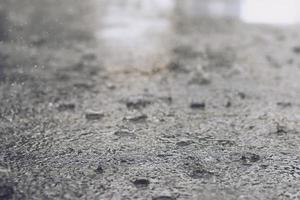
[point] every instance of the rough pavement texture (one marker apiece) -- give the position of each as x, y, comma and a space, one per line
208, 109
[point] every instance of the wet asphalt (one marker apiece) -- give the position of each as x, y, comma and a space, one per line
145, 100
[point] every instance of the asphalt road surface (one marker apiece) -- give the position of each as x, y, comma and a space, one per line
129, 99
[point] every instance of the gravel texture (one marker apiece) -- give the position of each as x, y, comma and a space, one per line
195, 109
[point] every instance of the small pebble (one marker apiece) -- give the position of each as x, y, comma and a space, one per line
201, 174
249, 158
137, 103
284, 104
184, 143
228, 104
99, 170
280, 129
197, 105
93, 115
242, 95
66, 106
175, 66
141, 183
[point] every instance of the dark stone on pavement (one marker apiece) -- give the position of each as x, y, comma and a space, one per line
183, 143
249, 158
66, 107
99, 170
197, 105
201, 174
93, 115
284, 104
137, 102
141, 183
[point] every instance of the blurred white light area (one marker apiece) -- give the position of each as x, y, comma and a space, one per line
160, 6
217, 8
136, 18
221, 8
271, 11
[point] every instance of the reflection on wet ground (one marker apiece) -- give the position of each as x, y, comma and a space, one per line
136, 32
279, 12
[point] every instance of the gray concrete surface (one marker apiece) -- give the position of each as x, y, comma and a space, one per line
139, 100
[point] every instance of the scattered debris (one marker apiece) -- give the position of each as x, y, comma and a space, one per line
137, 102
242, 95
201, 174
284, 104
99, 170
251, 127
66, 107
93, 115
280, 129
228, 104
198, 105
249, 158
176, 66
141, 183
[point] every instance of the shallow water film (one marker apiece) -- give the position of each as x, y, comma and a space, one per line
150, 99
